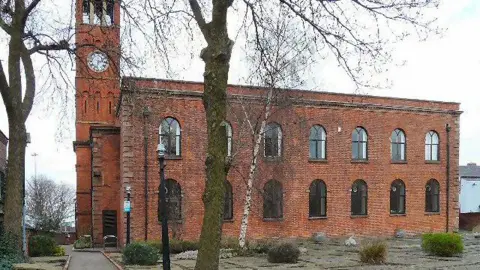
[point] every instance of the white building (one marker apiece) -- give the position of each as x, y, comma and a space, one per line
469, 196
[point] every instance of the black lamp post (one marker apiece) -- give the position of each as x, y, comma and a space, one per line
162, 211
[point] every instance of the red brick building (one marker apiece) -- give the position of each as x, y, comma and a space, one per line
332, 163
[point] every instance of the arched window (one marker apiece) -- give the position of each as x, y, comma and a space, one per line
398, 145
359, 144
273, 200
170, 136
397, 197
318, 139
431, 146
318, 199
229, 131
173, 199
273, 140
228, 206
359, 198
432, 198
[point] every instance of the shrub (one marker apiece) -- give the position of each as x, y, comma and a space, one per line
230, 243
59, 251
373, 253
442, 244
284, 253
176, 246
140, 254
261, 246
41, 245
83, 242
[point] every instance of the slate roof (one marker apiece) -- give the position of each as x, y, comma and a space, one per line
470, 171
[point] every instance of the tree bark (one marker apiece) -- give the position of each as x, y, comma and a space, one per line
217, 58
253, 169
15, 179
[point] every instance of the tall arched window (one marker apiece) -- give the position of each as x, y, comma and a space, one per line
228, 206
359, 196
398, 142
397, 197
170, 136
318, 139
2, 184
432, 196
359, 144
318, 199
229, 131
173, 200
273, 140
273, 200
432, 143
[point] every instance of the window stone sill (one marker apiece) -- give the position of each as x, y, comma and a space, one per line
398, 162
228, 220
317, 218
273, 219
432, 161
313, 160
398, 215
358, 216
359, 161
173, 157
432, 213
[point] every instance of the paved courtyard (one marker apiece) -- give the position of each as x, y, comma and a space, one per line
402, 254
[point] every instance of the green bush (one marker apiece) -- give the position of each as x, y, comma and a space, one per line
373, 252
41, 245
442, 244
83, 242
229, 243
140, 254
59, 251
284, 253
9, 255
176, 246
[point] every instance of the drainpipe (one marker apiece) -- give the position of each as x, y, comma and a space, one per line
91, 189
146, 113
448, 128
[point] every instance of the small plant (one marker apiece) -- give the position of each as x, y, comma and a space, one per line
41, 245
442, 244
140, 254
284, 253
83, 242
59, 251
229, 243
373, 252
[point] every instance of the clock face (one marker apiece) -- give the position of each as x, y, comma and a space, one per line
97, 61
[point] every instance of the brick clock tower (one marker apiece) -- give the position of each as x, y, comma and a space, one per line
98, 205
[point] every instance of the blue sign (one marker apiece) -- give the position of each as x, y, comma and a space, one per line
127, 206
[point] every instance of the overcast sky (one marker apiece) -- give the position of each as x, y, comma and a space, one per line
445, 69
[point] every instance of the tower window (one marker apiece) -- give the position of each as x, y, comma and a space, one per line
98, 106
99, 12
110, 107
85, 106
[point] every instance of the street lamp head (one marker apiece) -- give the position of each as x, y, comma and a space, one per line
161, 150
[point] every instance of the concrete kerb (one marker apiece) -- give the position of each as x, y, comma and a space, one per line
65, 267
119, 267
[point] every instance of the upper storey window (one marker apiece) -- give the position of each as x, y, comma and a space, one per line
99, 12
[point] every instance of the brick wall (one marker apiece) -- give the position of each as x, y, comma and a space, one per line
469, 220
339, 115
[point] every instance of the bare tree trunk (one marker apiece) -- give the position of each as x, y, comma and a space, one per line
253, 169
15, 179
217, 58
